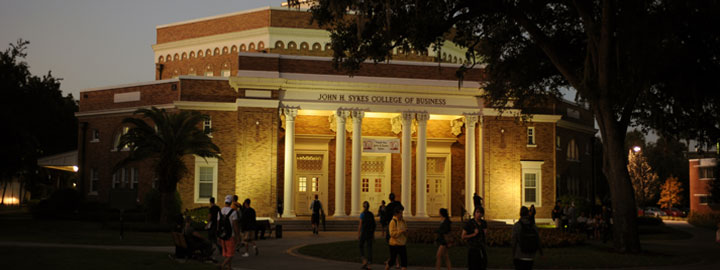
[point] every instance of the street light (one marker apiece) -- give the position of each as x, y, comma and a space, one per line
636, 149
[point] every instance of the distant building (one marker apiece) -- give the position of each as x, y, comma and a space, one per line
703, 167
289, 126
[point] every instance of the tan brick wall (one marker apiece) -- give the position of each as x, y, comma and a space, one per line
257, 162
503, 152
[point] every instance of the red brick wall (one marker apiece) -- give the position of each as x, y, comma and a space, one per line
154, 94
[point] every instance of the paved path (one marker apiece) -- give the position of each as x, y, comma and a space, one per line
278, 253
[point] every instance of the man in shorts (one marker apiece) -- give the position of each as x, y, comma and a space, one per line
228, 246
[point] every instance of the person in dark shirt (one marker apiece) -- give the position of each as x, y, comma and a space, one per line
477, 201
212, 223
366, 235
195, 241
381, 214
556, 214
474, 234
389, 212
443, 233
247, 225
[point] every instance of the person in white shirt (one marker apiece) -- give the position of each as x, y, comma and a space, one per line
228, 245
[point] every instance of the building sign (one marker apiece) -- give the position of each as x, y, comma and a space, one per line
381, 145
381, 99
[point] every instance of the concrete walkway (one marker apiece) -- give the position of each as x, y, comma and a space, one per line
279, 253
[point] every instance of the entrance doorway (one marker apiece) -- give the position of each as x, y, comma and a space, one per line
310, 180
438, 184
375, 178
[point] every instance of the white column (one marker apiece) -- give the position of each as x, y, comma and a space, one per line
357, 116
421, 159
406, 195
340, 117
480, 168
289, 183
470, 123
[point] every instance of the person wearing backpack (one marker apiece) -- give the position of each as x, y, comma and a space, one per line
398, 239
366, 235
525, 241
316, 207
474, 234
228, 229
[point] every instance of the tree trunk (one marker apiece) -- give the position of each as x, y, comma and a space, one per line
2, 201
625, 232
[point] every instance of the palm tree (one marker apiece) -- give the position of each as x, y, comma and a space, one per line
173, 136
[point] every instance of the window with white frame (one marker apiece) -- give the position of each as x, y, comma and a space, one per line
572, 151
531, 137
225, 73
531, 183
206, 179
95, 135
134, 178
207, 126
704, 198
94, 181
209, 73
706, 173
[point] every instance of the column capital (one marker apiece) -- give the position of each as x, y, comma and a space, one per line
357, 114
422, 117
408, 116
289, 112
471, 120
342, 114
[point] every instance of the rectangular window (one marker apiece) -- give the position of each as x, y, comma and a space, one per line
95, 135
206, 179
365, 185
209, 73
94, 180
707, 172
315, 184
207, 126
206, 183
531, 136
704, 199
120, 178
531, 183
226, 73
378, 185
134, 178
302, 184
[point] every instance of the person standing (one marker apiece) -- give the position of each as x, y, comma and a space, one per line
474, 233
212, 223
525, 241
366, 235
238, 209
532, 213
381, 214
398, 239
443, 252
556, 213
248, 227
390, 213
477, 201
228, 245
317, 209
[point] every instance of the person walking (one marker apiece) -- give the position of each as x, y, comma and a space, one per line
525, 241
398, 239
381, 214
474, 234
248, 227
228, 217
443, 252
212, 223
366, 235
390, 213
317, 210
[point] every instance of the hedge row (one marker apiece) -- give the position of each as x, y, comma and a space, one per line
706, 220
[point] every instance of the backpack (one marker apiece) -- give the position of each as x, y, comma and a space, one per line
225, 229
368, 223
529, 238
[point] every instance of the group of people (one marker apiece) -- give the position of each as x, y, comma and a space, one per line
596, 226
525, 237
230, 226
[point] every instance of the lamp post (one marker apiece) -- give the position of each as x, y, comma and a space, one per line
636, 149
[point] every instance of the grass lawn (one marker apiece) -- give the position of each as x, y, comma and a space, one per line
76, 232
584, 256
79, 259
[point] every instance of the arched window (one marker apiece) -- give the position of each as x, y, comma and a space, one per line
184, 56
192, 54
217, 51
251, 47
161, 59
208, 53
572, 150
233, 49
316, 46
328, 46
176, 57
292, 45
200, 53
116, 139
261, 45
225, 50
168, 58
279, 45
304, 46
243, 47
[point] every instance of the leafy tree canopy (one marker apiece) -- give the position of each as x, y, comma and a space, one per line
38, 120
650, 63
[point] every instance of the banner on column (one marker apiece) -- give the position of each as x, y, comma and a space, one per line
381, 145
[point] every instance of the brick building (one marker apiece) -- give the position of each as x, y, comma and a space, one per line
703, 170
289, 126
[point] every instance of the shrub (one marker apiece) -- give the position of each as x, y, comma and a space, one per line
499, 237
708, 220
649, 221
